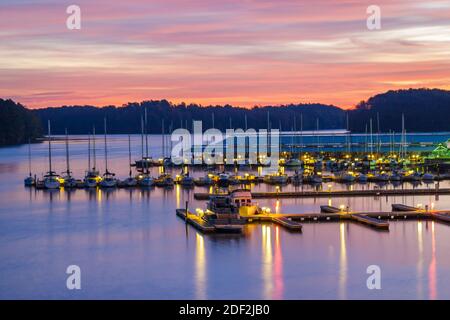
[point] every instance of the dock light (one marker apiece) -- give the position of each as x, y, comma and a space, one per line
342, 207
265, 210
200, 212
419, 205
432, 205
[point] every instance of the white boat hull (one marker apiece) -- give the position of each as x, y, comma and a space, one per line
50, 183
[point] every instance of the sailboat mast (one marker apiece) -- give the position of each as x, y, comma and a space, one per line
29, 156
49, 148
348, 133
371, 137
317, 133
365, 140
294, 129
93, 149
146, 133
89, 151
301, 132
378, 133
403, 136
142, 137
106, 147
67, 154
162, 138
129, 153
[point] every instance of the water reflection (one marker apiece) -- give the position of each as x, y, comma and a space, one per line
420, 260
278, 272
342, 263
177, 195
432, 269
267, 265
200, 268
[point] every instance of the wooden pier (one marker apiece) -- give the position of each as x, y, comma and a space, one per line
371, 221
292, 221
343, 193
195, 221
441, 216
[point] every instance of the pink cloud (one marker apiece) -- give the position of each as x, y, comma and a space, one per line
238, 52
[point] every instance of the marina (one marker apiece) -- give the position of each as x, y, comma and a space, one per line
97, 225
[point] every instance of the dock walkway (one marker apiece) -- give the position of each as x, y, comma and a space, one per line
343, 193
195, 221
292, 221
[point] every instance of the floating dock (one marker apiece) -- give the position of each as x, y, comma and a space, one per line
292, 221
441, 216
343, 193
373, 222
195, 221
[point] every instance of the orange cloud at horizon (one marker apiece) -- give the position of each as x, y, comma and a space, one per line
242, 53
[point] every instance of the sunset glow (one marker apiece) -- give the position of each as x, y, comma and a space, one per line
242, 53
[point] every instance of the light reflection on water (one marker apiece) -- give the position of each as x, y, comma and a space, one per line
342, 263
130, 244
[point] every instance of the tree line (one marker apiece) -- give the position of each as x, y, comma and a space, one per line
424, 110
18, 124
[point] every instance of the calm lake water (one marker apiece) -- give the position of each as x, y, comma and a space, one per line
129, 244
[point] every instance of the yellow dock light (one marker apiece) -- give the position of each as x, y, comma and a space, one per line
200, 212
342, 207
419, 205
265, 210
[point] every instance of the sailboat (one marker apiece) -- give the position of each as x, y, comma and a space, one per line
146, 161
164, 179
30, 180
130, 181
108, 179
69, 181
92, 177
51, 179
144, 179
184, 178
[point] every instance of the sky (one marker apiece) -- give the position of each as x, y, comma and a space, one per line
238, 52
